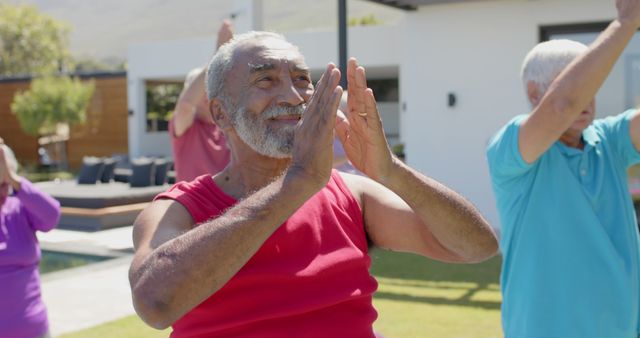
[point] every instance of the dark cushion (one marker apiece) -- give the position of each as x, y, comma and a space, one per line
142, 173
171, 177
108, 170
91, 170
122, 160
122, 174
162, 167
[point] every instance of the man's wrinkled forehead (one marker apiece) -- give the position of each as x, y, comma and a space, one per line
269, 53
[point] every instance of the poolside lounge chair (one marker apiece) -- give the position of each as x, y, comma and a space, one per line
91, 170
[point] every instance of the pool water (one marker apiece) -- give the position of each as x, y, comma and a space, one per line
56, 260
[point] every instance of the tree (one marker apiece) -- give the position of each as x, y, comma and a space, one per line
49, 108
161, 100
52, 101
365, 20
89, 64
32, 43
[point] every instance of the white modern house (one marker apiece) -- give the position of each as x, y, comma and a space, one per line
456, 64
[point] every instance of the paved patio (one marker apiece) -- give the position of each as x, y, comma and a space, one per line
87, 296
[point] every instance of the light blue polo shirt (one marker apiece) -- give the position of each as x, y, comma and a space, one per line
569, 235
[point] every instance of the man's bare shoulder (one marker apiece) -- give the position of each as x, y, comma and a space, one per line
358, 185
162, 219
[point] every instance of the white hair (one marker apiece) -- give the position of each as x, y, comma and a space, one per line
11, 158
222, 61
546, 60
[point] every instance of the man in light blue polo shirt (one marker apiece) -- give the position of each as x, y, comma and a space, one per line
569, 234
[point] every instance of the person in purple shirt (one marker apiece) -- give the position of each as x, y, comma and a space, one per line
24, 209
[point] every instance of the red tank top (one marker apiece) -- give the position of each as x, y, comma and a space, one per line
309, 279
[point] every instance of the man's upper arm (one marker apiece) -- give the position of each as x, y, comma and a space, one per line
539, 131
622, 133
504, 154
162, 221
391, 224
183, 117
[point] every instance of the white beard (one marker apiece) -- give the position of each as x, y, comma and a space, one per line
257, 133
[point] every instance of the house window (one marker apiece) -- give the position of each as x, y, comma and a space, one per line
387, 97
161, 101
385, 90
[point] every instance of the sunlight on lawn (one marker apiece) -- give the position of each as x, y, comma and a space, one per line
129, 327
421, 298
416, 298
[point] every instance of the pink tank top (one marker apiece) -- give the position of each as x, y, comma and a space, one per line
202, 149
309, 279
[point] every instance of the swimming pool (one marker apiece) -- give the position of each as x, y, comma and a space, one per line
55, 260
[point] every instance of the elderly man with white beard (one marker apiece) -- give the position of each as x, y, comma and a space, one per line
276, 245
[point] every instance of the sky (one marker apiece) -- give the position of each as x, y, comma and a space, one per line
103, 29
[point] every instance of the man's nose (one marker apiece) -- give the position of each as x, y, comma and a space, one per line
289, 94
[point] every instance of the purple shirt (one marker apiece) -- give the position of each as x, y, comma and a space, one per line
22, 312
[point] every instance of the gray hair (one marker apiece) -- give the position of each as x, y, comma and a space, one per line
11, 158
222, 62
546, 60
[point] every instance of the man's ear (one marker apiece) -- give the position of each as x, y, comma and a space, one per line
533, 93
219, 114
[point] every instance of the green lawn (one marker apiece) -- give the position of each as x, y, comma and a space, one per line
416, 298
129, 327
40, 176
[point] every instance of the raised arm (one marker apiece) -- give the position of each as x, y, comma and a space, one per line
189, 104
175, 267
405, 210
577, 85
43, 210
186, 109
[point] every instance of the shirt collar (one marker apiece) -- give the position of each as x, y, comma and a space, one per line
590, 139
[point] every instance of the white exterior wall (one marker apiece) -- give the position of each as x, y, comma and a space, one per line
474, 50
158, 61
376, 47
465, 48
174, 59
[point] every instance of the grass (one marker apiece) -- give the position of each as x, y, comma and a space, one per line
416, 298
129, 327
47, 176
54, 261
